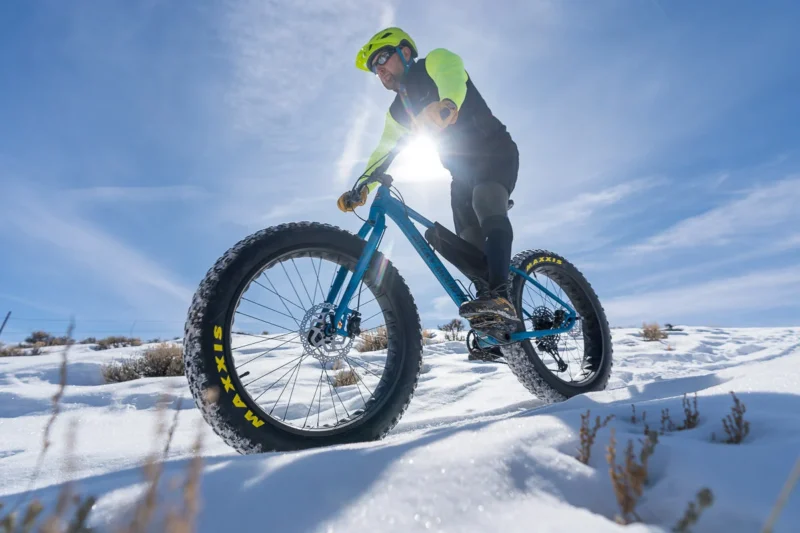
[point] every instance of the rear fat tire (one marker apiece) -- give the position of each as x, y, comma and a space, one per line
523, 358
230, 411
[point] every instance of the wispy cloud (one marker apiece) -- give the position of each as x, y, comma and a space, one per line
352, 146
761, 209
760, 291
119, 268
137, 194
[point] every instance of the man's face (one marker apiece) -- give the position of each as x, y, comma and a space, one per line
391, 72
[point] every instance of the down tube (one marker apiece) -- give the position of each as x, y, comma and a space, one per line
430, 258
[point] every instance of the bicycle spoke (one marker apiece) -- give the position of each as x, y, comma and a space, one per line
275, 370
280, 378
270, 309
297, 368
303, 282
291, 283
264, 321
265, 339
331, 391
311, 405
358, 381
317, 271
262, 354
284, 300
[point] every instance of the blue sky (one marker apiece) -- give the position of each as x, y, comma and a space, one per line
139, 140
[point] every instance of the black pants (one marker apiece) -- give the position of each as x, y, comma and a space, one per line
479, 192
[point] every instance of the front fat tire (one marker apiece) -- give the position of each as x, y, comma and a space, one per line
522, 357
229, 409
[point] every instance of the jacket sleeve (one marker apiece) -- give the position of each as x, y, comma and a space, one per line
447, 71
393, 131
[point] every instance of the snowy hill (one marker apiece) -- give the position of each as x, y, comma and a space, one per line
474, 452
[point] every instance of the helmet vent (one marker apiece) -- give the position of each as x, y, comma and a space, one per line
385, 35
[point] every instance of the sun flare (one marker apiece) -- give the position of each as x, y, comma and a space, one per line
419, 162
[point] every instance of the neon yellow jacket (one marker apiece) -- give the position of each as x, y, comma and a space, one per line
433, 78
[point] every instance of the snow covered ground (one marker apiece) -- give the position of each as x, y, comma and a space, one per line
474, 452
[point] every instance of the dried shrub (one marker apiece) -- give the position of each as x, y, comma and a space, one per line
644, 419
374, 340
651, 332
703, 501
736, 427
337, 365
588, 435
159, 361
344, 378
691, 416
667, 424
428, 334
89, 340
36, 349
452, 330
11, 351
117, 342
39, 336
119, 371
629, 479
162, 361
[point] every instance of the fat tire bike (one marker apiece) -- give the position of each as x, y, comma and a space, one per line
305, 335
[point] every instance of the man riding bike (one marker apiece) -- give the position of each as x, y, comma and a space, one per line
436, 95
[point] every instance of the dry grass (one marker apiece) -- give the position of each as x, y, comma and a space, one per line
786, 491
629, 479
163, 360
428, 334
703, 501
71, 511
736, 427
588, 435
652, 332
374, 340
343, 378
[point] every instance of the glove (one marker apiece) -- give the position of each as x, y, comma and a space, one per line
347, 202
438, 115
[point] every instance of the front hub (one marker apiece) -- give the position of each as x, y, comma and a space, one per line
319, 337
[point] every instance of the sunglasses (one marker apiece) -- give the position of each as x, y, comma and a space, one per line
381, 58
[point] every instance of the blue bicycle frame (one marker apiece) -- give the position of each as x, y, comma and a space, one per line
383, 205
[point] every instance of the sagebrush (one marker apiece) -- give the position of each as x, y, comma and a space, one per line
452, 330
588, 435
163, 360
629, 479
652, 332
374, 340
117, 342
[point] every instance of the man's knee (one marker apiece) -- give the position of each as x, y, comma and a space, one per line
490, 199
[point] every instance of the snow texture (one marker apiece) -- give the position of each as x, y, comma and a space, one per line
474, 452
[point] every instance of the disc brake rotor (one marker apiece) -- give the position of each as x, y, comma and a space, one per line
319, 337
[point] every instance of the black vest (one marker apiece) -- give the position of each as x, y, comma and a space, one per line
476, 132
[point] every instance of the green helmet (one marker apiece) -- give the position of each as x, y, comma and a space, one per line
392, 37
